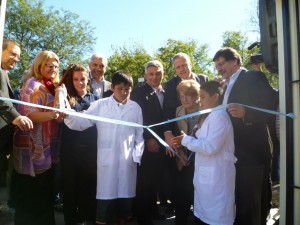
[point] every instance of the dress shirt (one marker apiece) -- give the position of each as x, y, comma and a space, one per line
230, 84
98, 87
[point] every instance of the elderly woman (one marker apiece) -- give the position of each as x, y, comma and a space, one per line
35, 151
214, 174
189, 95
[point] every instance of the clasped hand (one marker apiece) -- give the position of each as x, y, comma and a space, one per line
236, 111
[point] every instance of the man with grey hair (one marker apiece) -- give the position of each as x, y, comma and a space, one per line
183, 68
150, 97
98, 66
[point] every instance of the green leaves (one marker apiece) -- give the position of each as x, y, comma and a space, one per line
37, 28
131, 59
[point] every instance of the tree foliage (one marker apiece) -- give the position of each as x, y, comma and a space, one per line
254, 16
131, 59
36, 28
134, 58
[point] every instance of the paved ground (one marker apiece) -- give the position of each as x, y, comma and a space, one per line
6, 214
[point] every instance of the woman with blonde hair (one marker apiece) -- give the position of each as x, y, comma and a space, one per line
35, 152
189, 95
213, 144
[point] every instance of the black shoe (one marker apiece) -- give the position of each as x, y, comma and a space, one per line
59, 207
144, 222
2, 179
158, 216
169, 210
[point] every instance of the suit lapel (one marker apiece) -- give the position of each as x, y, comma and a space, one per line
6, 81
106, 86
11, 93
151, 95
234, 93
182, 124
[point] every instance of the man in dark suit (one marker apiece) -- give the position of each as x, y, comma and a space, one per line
183, 68
252, 148
150, 98
8, 114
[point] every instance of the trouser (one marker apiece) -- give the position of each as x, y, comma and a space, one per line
199, 222
252, 194
5, 149
148, 178
79, 181
276, 163
34, 199
183, 193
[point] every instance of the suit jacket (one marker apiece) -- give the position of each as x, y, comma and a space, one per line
182, 125
107, 94
152, 111
7, 113
107, 86
250, 133
171, 100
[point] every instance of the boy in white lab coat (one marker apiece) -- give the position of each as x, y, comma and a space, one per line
120, 148
214, 176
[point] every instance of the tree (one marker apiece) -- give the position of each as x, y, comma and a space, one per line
131, 59
134, 58
36, 28
198, 55
254, 17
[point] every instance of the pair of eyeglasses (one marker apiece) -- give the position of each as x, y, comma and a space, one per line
220, 64
51, 66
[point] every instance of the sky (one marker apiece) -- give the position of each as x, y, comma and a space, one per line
121, 23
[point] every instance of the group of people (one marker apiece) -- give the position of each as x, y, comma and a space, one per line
109, 170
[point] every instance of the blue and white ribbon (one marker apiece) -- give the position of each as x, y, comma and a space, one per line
120, 122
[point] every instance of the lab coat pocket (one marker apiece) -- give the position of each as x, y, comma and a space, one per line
106, 157
205, 175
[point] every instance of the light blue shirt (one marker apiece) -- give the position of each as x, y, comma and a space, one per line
98, 87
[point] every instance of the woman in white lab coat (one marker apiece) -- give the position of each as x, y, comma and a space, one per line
214, 177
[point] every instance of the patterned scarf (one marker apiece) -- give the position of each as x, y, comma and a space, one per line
49, 85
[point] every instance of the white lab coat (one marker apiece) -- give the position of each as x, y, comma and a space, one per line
214, 177
120, 147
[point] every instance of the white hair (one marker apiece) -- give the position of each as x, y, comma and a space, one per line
182, 55
154, 63
99, 55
